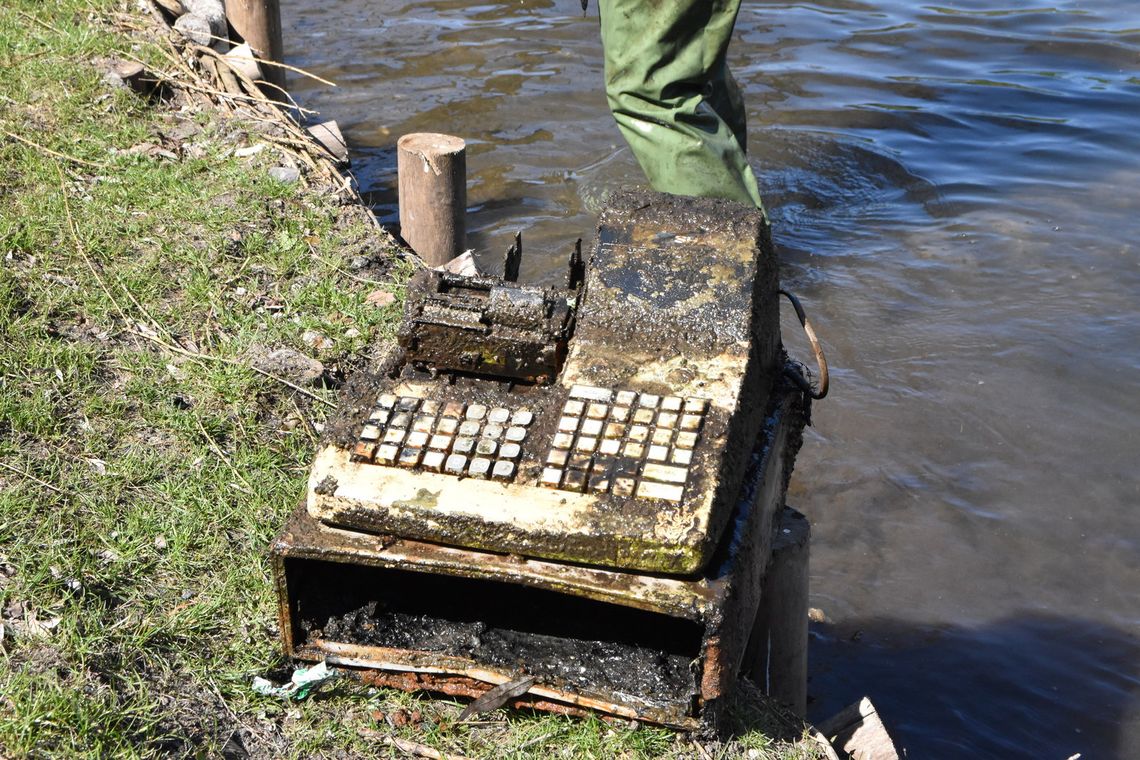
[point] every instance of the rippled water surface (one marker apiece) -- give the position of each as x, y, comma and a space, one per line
955, 190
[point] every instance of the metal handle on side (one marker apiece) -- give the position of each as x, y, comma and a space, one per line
820, 359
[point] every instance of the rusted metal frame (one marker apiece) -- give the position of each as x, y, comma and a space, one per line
400, 660
727, 602
739, 577
305, 538
462, 686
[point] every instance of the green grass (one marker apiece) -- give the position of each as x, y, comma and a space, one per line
144, 468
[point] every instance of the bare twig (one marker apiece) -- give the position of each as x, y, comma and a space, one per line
279, 65
309, 429
34, 479
74, 233
415, 749
172, 345
55, 154
42, 23
233, 362
704, 753
218, 450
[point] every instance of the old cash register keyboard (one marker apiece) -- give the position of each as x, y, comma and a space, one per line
630, 458
626, 443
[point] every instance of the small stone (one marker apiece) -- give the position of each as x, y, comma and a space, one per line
380, 298
285, 174
315, 339
194, 28
252, 150
289, 364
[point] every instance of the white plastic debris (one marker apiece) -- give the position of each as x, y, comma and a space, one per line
304, 682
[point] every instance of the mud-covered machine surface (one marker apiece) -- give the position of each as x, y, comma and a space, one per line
575, 483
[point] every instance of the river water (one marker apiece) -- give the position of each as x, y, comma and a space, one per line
955, 191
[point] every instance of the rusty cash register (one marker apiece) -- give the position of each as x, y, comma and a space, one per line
573, 484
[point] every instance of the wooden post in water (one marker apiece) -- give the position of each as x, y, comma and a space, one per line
259, 24
777, 651
433, 195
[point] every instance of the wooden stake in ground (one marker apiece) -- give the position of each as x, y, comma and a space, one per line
777, 651
259, 24
433, 195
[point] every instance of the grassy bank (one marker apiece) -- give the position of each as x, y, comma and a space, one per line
150, 262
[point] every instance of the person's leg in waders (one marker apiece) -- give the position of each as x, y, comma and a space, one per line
673, 97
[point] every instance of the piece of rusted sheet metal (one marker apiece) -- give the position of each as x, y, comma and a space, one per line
724, 600
462, 686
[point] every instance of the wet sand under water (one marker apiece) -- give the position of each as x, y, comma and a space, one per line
955, 191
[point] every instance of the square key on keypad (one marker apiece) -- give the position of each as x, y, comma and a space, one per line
409, 457
503, 470
575, 480
433, 460
387, 453
365, 450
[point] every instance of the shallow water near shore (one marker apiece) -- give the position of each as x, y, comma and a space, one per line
955, 191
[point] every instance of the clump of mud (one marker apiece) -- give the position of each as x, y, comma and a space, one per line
564, 641
593, 665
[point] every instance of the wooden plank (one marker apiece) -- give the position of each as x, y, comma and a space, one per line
859, 731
